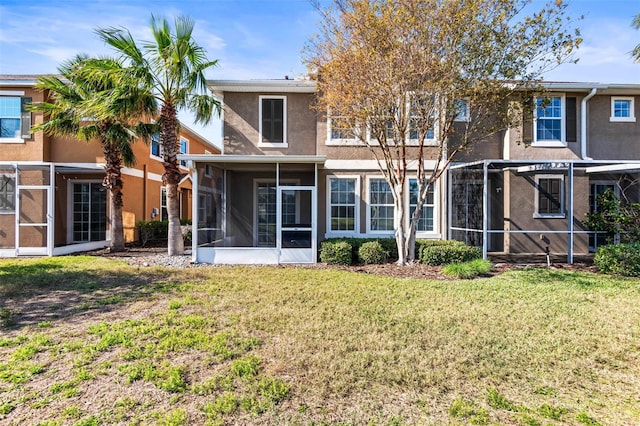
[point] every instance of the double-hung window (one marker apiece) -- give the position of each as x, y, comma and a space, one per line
426, 222
7, 193
419, 110
622, 109
549, 121
156, 148
15, 119
381, 206
184, 149
549, 196
461, 110
343, 207
273, 121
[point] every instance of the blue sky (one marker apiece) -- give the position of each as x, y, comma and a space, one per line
264, 38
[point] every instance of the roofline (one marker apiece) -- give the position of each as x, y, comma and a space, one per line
271, 86
201, 137
254, 159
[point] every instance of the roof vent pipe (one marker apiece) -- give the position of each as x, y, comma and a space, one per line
583, 124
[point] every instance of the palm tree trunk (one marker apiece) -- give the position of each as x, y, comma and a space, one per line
171, 177
113, 181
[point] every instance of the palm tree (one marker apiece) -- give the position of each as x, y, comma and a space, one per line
173, 67
95, 99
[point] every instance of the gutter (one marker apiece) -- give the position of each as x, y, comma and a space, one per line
583, 124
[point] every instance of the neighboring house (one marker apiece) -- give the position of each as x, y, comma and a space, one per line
51, 196
290, 177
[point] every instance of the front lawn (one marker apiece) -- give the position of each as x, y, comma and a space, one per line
86, 340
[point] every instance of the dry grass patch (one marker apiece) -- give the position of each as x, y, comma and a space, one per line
306, 346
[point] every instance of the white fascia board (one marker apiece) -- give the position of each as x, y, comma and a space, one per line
257, 159
262, 86
613, 168
371, 165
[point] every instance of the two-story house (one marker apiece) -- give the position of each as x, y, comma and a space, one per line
51, 196
289, 177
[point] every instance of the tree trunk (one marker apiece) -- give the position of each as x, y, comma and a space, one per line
399, 219
172, 176
113, 181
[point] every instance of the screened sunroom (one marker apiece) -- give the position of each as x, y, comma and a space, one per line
254, 209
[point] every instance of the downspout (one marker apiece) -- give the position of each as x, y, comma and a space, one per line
583, 124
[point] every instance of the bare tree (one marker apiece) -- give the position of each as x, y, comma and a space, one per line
401, 72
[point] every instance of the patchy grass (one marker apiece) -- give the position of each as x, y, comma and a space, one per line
93, 341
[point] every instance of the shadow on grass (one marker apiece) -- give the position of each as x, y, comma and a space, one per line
35, 291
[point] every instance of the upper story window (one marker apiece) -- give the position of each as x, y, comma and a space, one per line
7, 194
156, 148
461, 110
273, 121
15, 120
184, 149
550, 196
341, 129
622, 109
549, 121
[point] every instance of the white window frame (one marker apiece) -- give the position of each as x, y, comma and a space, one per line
18, 95
631, 118
70, 220
551, 143
537, 213
355, 141
15, 186
284, 143
160, 151
436, 193
369, 205
427, 141
465, 117
180, 162
329, 233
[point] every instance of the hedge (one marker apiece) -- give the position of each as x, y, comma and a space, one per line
336, 252
449, 253
372, 252
619, 259
151, 230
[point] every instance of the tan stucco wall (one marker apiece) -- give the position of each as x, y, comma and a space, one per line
37, 147
241, 124
612, 140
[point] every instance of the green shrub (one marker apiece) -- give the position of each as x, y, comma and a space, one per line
336, 252
468, 270
372, 252
445, 254
152, 230
421, 245
620, 259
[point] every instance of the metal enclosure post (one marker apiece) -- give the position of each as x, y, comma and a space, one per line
570, 217
485, 208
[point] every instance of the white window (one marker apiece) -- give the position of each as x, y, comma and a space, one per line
184, 149
549, 128
549, 200
461, 110
341, 130
622, 109
89, 212
381, 207
426, 222
11, 109
7, 193
273, 121
342, 193
156, 148
164, 215
418, 111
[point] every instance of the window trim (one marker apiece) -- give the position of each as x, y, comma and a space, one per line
368, 203
329, 233
436, 192
151, 154
15, 186
17, 95
631, 118
537, 214
551, 143
180, 162
284, 143
70, 219
466, 117
355, 141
